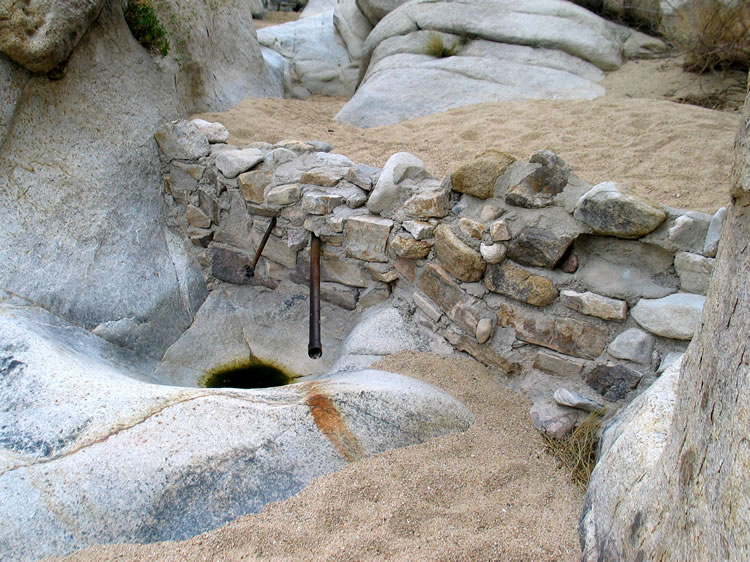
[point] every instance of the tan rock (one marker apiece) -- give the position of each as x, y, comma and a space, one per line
324, 176
320, 203
382, 273
429, 201
367, 238
253, 184
407, 247
463, 262
517, 283
471, 228
566, 335
595, 305
484, 330
483, 353
286, 194
499, 231
460, 307
196, 217
478, 177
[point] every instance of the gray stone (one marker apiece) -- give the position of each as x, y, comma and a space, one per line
387, 193
286, 194
196, 217
374, 295
560, 365
324, 176
595, 305
694, 272
376, 10
675, 316
340, 295
234, 227
354, 196
463, 262
553, 420
232, 163
367, 238
363, 176
490, 212
566, 335
278, 156
624, 269
713, 235
41, 35
538, 247
516, 282
184, 179
539, 187
353, 27
633, 345
614, 382
420, 230
230, 265
478, 177
668, 359
341, 272
182, 140
276, 249
612, 209
565, 397
689, 231
483, 353
214, 132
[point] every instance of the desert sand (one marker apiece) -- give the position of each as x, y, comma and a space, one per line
491, 493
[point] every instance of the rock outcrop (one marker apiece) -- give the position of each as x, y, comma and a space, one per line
100, 445
459, 53
672, 481
80, 191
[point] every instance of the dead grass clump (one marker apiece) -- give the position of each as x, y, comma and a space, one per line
715, 34
577, 451
438, 48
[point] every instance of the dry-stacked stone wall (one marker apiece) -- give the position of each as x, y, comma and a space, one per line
523, 265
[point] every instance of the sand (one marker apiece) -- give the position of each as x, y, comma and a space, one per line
491, 493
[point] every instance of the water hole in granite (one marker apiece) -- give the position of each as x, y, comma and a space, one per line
253, 373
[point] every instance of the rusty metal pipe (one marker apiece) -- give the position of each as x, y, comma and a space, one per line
259, 251
314, 348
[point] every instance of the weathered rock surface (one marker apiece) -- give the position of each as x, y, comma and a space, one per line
711, 245
367, 237
566, 335
565, 397
694, 272
478, 177
518, 283
614, 382
41, 35
674, 316
460, 307
592, 304
538, 247
164, 463
612, 209
548, 49
552, 419
353, 27
633, 345
318, 58
463, 262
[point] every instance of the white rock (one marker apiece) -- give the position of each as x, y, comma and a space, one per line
420, 230
633, 345
565, 397
492, 253
713, 235
214, 132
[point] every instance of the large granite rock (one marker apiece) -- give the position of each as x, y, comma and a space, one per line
100, 446
353, 27
548, 49
681, 494
104, 261
318, 57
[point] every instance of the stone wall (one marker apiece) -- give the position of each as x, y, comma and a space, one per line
558, 284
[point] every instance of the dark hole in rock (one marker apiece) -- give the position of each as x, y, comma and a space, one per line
251, 374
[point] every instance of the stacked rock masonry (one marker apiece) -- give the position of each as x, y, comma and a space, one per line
523, 265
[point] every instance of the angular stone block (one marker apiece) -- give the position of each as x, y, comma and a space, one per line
517, 283
367, 238
407, 247
566, 335
478, 177
538, 247
286, 194
592, 304
694, 272
561, 365
321, 202
253, 185
463, 262
439, 286
633, 345
232, 163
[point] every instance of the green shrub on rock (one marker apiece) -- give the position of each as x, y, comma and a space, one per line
145, 26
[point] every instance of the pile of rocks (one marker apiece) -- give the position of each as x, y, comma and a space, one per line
567, 288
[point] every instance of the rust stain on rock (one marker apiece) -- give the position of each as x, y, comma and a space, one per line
330, 421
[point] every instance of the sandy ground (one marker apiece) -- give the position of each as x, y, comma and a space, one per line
490, 493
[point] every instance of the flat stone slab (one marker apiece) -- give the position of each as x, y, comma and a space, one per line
99, 445
675, 316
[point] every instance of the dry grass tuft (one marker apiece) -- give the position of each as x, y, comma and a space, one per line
715, 34
577, 451
437, 47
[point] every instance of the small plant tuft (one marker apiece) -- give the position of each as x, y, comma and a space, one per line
436, 46
145, 26
577, 451
715, 34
